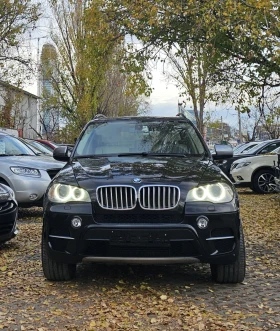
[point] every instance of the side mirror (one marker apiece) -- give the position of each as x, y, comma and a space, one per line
222, 152
62, 153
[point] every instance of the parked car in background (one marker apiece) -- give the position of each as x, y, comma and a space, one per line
48, 144
25, 172
277, 173
261, 148
142, 190
51, 145
256, 172
8, 214
244, 148
66, 144
238, 146
39, 146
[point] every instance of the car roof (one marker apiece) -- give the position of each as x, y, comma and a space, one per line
179, 117
263, 144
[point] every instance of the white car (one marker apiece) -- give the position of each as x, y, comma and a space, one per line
244, 148
256, 172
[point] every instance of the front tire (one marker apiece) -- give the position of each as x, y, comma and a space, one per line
263, 181
231, 273
54, 270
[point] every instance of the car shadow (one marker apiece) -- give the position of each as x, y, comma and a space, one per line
24, 214
110, 275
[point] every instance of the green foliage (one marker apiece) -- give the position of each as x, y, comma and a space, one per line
198, 73
242, 37
16, 17
92, 71
215, 124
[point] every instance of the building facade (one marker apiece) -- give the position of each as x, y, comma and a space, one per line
18, 110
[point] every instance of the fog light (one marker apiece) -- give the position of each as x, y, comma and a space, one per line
202, 222
76, 222
33, 196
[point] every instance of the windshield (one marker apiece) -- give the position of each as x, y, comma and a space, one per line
39, 147
248, 148
13, 146
238, 147
276, 151
257, 147
139, 137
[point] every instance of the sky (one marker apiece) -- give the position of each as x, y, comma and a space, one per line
164, 98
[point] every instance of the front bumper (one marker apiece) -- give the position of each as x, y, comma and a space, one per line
143, 243
242, 176
8, 218
29, 190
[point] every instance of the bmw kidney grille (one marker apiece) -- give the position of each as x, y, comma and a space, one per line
151, 197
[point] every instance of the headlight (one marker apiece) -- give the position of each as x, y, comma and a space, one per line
62, 193
242, 164
6, 193
217, 193
22, 171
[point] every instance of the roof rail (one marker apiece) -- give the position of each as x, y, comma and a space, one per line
97, 116
181, 114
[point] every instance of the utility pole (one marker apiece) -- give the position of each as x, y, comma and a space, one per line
222, 128
39, 82
239, 127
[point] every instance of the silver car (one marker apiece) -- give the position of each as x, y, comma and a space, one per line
25, 172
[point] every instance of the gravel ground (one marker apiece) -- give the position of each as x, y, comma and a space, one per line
106, 297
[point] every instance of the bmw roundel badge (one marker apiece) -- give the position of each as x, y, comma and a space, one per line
137, 180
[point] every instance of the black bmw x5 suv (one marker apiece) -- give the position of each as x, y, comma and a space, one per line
142, 190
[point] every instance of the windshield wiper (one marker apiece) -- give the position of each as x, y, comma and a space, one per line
131, 154
17, 155
153, 154
90, 156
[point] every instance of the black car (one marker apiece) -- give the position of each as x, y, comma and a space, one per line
277, 174
8, 214
142, 190
261, 148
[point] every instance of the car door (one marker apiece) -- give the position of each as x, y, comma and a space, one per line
269, 147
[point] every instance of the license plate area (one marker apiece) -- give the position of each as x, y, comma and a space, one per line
146, 242
140, 238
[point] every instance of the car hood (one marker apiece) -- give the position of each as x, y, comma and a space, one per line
89, 172
34, 161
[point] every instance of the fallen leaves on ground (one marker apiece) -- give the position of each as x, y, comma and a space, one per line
106, 297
